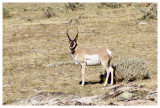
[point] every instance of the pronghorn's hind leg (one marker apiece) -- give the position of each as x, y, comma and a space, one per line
109, 70
107, 75
83, 65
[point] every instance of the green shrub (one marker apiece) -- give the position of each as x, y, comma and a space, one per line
110, 5
130, 69
149, 12
74, 6
48, 11
6, 13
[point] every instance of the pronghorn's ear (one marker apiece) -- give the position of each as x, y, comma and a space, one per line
68, 36
76, 36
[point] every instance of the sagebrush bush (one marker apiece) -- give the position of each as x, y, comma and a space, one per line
130, 69
150, 12
6, 13
74, 6
110, 5
48, 11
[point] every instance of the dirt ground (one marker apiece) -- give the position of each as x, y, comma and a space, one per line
32, 43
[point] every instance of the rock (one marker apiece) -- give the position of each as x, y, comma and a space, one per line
15, 25
142, 86
6, 85
142, 23
29, 9
35, 9
87, 100
137, 102
126, 96
139, 94
59, 98
35, 90
152, 95
116, 93
37, 98
129, 94
114, 87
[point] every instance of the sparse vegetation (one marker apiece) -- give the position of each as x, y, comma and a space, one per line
48, 11
130, 69
32, 43
6, 13
149, 12
74, 6
110, 5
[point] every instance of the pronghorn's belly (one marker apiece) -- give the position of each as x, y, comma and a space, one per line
92, 60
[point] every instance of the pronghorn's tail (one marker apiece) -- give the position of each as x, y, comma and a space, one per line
109, 52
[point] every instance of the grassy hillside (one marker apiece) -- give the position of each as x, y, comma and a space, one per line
31, 42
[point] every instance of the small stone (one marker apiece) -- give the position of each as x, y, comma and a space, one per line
126, 96
29, 9
111, 93
49, 65
141, 86
35, 9
6, 85
35, 90
142, 23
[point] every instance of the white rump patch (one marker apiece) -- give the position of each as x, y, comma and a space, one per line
109, 52
92, 60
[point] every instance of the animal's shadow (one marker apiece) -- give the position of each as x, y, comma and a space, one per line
102, 78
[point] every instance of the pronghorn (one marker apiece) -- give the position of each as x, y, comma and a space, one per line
91, 57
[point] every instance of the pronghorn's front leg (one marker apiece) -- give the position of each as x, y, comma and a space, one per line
83, 72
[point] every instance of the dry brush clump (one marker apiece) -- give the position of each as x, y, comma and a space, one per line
130, 69
74, 6
110, 5
48, 11
149, 12
6, 13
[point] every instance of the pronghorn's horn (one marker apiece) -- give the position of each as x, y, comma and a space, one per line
76, 36
68, 36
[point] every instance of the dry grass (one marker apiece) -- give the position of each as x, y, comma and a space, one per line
30, 45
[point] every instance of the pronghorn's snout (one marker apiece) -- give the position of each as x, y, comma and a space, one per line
72, 43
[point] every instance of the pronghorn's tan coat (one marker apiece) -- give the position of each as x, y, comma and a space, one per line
101, 52
84, 57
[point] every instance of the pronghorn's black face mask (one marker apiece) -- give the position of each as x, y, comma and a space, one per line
73, 43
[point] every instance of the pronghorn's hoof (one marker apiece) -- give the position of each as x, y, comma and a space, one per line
111, 84
82, 84
105, 85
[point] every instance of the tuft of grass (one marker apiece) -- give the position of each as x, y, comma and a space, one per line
48, 11
74, 6
110, 5
6, 13
130, 69
150, 12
